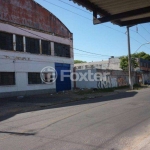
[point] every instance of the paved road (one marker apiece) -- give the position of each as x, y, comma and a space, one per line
117, 122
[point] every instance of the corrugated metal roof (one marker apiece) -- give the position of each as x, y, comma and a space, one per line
121, 12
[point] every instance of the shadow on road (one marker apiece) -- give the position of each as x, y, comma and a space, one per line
30, 104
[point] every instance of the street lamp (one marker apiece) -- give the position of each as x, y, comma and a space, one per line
141, 46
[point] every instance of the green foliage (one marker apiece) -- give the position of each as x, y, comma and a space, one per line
124, 63
124, 60
79, 61
142, 55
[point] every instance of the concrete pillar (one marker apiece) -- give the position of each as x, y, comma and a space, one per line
40, 42
71, 49
24, 43
52, 49
14, 42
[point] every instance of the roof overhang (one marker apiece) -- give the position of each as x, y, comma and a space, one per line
122, 13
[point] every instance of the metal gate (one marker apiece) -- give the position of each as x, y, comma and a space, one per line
66, 83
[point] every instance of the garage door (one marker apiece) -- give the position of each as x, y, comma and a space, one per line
66, 84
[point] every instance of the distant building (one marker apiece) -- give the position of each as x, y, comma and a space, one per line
144, 65
112, 64
143, 69
32, 38
141, 73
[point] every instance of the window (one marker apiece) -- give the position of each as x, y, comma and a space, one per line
6, 41
62, 50
32, 45
34, 78
46, 47
7, 78
19, 43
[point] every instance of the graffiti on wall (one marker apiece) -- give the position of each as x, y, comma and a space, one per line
104, 83
108, 80
122, 81
104, 80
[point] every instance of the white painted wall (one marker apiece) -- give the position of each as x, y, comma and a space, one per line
21, 62
86, 84
105, 79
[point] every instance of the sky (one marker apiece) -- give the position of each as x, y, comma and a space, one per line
104, 40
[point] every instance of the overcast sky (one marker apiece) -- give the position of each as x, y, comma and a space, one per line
106, 39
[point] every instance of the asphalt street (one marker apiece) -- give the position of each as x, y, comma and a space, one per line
116, 122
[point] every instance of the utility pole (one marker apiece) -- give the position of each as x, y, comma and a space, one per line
129, 59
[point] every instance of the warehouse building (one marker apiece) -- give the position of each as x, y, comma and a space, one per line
32, 38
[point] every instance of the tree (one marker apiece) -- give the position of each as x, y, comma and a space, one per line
79, 61
134, 63
143, 55
124, 63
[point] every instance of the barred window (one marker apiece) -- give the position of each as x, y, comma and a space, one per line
46, 47
6, 41
32, 45
7, 78
34, 78
62, 50
19, 43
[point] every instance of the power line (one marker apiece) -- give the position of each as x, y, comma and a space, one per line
82, 16
14, 61
139, 35
93, 56
145, 29
66, 9
92, 20
72, 47
89, 52
74, 6
54, 41
143, 37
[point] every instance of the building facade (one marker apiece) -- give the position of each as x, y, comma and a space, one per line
32, 38
144, 70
